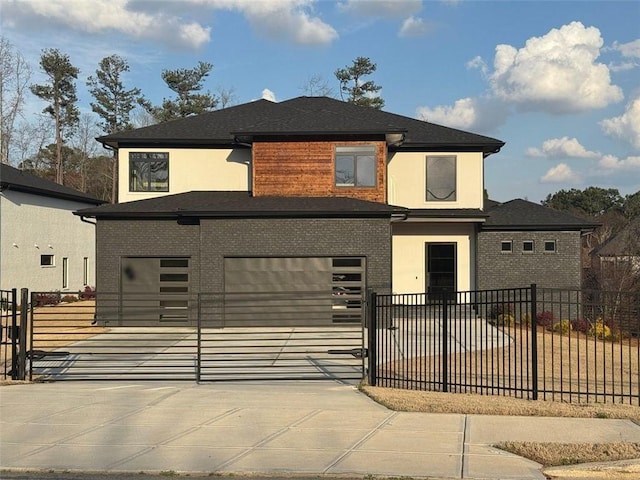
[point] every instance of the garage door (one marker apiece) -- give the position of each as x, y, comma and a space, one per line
155, 291
293, 291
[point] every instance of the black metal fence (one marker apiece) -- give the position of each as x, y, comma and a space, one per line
573, 346
204, 337
12, 336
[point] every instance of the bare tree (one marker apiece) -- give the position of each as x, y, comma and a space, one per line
317, 86
85, 145
31, 138
15, 76
226, 96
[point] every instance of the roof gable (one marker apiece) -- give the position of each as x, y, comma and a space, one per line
301, 116
234, 204
521, 214
14, 179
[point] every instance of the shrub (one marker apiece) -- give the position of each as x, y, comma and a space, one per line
89, 293
563, 327
545, 319
505, 319
580, 325
599, 330
498, 309
43, 299
69, 299
526, 319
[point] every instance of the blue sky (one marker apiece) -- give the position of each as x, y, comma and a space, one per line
558, 81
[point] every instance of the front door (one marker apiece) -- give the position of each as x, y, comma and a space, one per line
441, 268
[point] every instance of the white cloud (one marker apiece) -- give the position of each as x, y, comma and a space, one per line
613, 163
287, 20
560, 173
479, 63
414, 27
466, 114
561, 148
629, 50
627, 126
283, 20
268, 95
109, 15
382, 8
555, 73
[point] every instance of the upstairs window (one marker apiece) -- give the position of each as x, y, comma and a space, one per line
550, 246
148, 172
46, 261
506, 246
356, 166
441, 179
528, 246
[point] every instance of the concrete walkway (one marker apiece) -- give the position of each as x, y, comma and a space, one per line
265, 428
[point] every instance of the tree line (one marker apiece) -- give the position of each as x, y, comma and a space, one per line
60, 145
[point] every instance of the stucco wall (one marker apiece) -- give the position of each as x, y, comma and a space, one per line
561, 269
33, 225
406, 180
192, 169
409, 255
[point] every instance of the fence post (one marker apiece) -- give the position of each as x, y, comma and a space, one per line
372, 324
199, 338
13, 333
445, 342
534, 339
22, 334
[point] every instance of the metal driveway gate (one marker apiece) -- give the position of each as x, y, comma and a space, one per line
246, 336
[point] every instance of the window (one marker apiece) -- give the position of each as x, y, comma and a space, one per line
46, 261
441, 179
85, 271
527, 246
65, 273
506, 246
356, 166
550, 246
148, 172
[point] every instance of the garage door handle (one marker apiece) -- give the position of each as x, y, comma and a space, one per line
356, 352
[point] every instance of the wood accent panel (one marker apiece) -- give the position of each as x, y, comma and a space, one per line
307, 169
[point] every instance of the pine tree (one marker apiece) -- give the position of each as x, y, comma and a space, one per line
113, 103
359, 92
186, 82
61, 93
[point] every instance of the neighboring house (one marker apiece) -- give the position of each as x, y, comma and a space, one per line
617, 262
43, 246
522, 243
309, 194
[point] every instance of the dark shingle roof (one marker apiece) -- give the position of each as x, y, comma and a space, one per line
13, 179
523, 215
300, 116
240, 205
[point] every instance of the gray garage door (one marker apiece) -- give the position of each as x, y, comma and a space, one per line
293, 291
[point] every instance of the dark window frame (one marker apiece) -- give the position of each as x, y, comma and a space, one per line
146, 184
430, 190
51, 263
356, 153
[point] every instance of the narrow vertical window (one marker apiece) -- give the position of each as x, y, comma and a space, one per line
85, 271
65, 272
441, 179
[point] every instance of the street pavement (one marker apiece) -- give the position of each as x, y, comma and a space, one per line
291, 428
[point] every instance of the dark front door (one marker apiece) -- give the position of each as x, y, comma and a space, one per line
441, 268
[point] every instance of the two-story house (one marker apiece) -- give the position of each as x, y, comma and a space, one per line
309, 195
